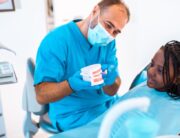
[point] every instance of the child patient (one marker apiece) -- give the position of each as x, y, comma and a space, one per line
164, 70
162, 88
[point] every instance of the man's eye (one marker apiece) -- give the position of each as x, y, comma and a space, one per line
115, 33
108, 26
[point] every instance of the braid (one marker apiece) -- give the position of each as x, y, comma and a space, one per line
172, 52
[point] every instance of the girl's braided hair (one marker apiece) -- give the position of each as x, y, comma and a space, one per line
172, 52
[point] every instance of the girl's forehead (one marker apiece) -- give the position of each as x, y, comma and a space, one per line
159, 57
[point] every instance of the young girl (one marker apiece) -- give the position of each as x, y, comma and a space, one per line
164, 70
162, 88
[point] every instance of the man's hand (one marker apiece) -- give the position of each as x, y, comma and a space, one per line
77, 83
109, 73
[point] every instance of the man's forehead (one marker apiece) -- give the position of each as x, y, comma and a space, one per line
117, 18
114, 9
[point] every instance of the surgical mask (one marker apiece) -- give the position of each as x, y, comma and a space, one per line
98, 36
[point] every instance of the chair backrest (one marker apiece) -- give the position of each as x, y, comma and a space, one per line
140, 77
119, 109
29, 95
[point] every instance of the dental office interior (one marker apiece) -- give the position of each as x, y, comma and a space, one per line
152, 24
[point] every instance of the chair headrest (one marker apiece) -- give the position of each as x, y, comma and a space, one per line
31, 66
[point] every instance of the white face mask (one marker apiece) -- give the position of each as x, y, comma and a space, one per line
98, 36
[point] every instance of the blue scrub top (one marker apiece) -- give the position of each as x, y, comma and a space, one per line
62, 52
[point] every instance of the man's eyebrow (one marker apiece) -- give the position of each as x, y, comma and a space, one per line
119, 31
110, 23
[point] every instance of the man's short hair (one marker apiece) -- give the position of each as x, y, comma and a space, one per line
106, 3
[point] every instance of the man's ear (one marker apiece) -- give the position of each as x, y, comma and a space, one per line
96, 10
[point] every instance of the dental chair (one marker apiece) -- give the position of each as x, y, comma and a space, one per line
102, 126
116, 111
33, 108
140, 77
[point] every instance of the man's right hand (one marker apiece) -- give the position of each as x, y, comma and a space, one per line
111, 74
77, 83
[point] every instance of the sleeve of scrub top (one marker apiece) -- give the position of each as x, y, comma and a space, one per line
50, 61
111, 57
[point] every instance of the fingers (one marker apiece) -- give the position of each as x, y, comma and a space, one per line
104, 67
86, 84
111, 68
108, 67
96, 87
104, 75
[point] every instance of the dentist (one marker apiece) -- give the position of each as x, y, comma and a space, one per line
65, 50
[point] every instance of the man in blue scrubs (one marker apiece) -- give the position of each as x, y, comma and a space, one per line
70, 47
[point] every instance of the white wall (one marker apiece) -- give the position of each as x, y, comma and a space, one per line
22, 31
66, 10
152, 24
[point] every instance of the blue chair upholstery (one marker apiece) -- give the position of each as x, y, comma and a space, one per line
31, 106
140, 77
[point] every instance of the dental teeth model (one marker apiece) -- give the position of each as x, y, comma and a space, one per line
93, 74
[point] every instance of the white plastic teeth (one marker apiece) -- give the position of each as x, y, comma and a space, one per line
93, 74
